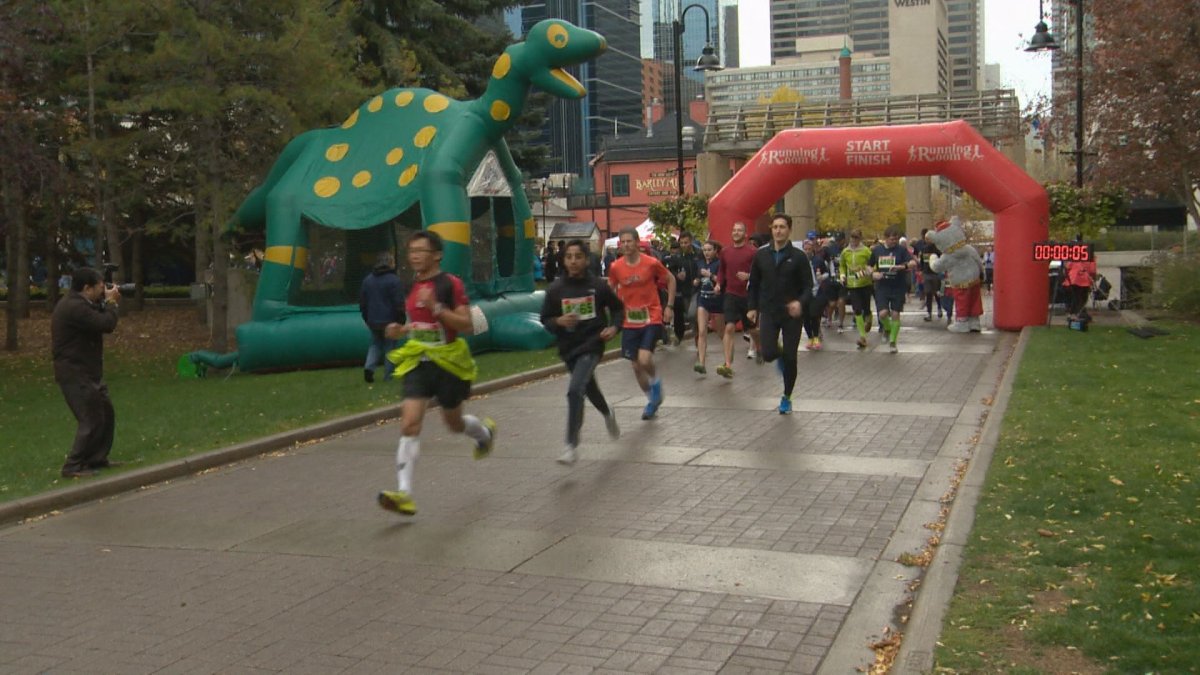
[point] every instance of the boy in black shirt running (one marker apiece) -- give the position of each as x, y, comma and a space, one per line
574, 311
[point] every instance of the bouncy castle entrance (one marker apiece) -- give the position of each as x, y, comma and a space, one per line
953, 149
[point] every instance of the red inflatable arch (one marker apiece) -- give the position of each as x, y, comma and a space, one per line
954, 150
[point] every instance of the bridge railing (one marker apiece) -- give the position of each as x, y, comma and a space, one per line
744, 128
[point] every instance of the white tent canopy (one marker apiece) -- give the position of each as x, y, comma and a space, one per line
645, 233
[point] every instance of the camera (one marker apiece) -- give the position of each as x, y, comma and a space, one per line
125, 289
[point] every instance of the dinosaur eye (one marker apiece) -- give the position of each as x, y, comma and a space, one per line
557, 34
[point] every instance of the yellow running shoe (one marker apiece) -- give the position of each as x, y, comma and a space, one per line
484, 449
397, 501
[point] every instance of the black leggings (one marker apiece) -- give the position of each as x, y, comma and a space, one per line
770, 329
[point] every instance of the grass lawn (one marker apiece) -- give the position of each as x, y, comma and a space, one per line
1084, 556
160, 417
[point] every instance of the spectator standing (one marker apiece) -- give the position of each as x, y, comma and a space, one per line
77, 330
381, 302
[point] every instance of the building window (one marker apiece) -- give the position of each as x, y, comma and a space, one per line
620, 185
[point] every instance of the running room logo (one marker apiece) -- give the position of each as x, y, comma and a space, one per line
868, 153
944, 153
795, 156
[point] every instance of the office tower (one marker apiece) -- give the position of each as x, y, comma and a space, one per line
613, 81
868, 23
695, 36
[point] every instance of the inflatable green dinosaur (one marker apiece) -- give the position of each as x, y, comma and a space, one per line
400, 148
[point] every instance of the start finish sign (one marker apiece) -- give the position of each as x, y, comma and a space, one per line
1067, 251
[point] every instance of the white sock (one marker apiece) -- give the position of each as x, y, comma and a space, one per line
475, 429
406, 459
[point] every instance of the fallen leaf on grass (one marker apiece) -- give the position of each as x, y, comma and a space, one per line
1046, 533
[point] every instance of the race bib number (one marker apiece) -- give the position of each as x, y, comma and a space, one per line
427, 333
585, 307
637, 316
886, 262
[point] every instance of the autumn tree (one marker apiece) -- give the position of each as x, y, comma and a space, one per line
1143, 102
869, 203
688, 213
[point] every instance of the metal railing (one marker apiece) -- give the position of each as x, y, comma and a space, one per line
742, 129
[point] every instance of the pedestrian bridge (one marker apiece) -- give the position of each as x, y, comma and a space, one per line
740, 130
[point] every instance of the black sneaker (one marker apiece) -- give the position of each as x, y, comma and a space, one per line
368, 376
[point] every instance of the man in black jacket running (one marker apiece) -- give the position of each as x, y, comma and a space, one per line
781, 285
574, 311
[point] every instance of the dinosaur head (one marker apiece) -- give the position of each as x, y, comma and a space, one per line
552, 44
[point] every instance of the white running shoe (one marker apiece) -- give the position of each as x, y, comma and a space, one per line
569, 456
751, 353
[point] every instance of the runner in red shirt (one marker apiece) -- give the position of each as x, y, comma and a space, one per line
635, 278
732, 277
434, 362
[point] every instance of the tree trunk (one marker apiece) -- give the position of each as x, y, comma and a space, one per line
52, 262
11, 198
202, 244
21, 225
137, 272
220, 260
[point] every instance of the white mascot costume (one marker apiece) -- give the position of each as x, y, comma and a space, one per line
962, 268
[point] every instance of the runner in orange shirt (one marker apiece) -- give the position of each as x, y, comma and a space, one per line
635, 278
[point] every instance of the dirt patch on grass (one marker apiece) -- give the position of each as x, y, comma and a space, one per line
155, 332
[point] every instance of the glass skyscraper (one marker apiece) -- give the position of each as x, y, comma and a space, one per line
613, 81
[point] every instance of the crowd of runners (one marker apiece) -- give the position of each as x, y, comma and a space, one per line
770, 291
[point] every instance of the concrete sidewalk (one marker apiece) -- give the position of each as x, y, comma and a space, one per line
720, 537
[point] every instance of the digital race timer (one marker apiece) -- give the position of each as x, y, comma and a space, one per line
1067, 251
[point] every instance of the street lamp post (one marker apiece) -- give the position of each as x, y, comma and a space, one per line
707, 61
1043, 41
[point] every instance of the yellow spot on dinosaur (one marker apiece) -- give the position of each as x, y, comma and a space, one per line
361, 178
424, 137
351, 120
436, 103
408, 175
337, 151
500, 111
557, 35
404, 98
287, 255
327, 187
503, 64
530, 229
454, 231
375, 104
394, 156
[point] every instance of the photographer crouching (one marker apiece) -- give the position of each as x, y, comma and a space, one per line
77, 330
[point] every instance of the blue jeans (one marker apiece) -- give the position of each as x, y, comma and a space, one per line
583, 383
380, 346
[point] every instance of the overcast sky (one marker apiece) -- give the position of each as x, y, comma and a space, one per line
1007, 26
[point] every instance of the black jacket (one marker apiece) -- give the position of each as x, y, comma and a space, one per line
686, 263
772, 286
585, 337
381, 299
77, 331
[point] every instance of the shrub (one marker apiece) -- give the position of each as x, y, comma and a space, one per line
1178, 285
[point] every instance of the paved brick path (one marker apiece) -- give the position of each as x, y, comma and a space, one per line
720, 537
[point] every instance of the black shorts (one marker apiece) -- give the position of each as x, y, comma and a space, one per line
889, 298
428, 380
860, 299
713, 304
735, 310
